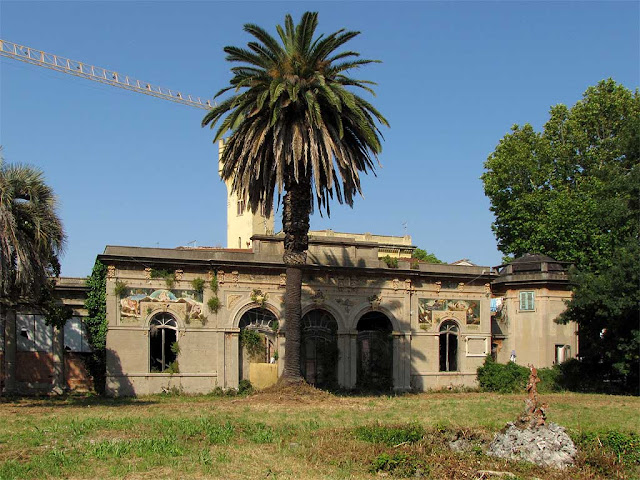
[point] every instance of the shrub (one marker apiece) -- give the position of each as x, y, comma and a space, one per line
245, 387
120, 288
213, 304
198, 284
504, 378
391, 262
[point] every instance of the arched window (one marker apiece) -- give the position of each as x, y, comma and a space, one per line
319, 348
258, 328
163, 334
449, 346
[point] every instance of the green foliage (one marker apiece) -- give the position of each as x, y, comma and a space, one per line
572, 192
390, 435
245, 387
400, 464
391, 262
214, 304
56, 313
253, 343
420, 254
169, 277
175, 348
174, 367
31, 235
120, 288
198, 284
96, 324
504, 378
625, 446
213, 284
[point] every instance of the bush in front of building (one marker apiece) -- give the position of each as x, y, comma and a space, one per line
500, 377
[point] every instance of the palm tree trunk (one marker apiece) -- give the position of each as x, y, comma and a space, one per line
295, 223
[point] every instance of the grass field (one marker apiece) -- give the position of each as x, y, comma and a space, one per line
301, 434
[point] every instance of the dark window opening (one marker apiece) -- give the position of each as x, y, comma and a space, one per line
375, 352
449, 347
319, 349
162, 335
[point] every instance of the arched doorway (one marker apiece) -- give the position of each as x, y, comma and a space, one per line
449, 346
319, 349
163, 337
257, 339
375, 352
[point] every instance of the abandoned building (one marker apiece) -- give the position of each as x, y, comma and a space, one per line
372, 316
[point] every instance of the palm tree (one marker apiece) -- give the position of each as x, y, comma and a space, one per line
31, 238
31, 234
296, 126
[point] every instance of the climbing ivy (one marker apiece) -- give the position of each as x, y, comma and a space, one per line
96, 323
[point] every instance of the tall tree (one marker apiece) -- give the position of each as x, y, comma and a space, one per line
296, 126
572, 192
31, 235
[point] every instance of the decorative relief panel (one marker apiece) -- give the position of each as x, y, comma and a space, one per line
232, 300
432, 311
111, 271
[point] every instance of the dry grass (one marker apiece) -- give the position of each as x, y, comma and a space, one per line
291, 431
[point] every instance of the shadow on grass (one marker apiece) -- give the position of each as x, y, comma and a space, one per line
74, 400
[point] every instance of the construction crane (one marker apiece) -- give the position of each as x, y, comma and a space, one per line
97, 74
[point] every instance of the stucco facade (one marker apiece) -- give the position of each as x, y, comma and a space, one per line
533, 292
351, 299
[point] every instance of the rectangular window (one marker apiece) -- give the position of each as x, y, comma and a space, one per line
75, 336
527, 302
34, 335
563, 353
240, 207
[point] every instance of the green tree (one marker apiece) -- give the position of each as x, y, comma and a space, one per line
31, 238
297, 127
571, 192
420, 254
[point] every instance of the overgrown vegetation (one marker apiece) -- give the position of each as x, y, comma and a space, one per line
253, 343
96, 324
400, 465
214, 304
572, 192
120, 288
223, 435
512, 378
423, 255
198, 284
168, 276
391, 262
390, 435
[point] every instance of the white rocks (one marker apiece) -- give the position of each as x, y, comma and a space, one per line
547, 445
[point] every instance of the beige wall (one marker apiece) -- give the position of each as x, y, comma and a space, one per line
209, 349
534, 334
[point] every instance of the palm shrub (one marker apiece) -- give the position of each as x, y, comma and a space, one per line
297, 127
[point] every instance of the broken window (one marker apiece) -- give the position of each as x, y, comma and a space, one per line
33, 334
163, 334
75, 336
449, 346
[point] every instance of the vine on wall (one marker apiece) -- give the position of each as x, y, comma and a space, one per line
96, 323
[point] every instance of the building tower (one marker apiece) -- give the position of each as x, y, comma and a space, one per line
242, 224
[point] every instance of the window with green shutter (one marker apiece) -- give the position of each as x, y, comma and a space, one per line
527, 301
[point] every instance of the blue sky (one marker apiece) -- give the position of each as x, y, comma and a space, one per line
134, 170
